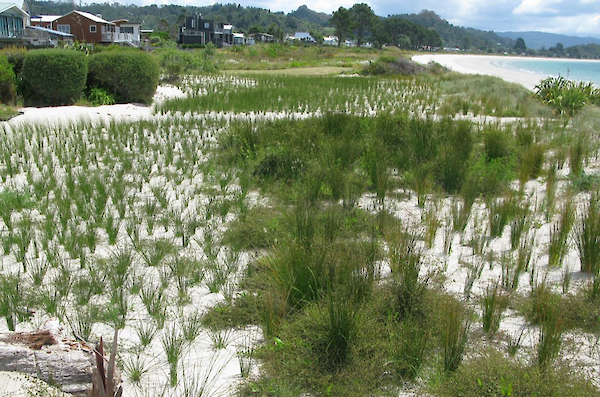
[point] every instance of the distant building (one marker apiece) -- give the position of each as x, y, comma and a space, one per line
330, 40
203, 31
13, 19
86, 27
304, 37
263, 37
37, 36
127, 32
44, 21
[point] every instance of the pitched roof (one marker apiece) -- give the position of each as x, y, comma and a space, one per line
8, 6
54, 32
46, 18
92, 17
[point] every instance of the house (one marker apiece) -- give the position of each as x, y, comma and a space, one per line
263, 37
86, 27
203, 31
37, 36
12, 21
44, 21
127, 32
304, 37
238, 39
330, 40
90, 28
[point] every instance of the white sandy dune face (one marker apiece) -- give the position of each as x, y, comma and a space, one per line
214, 362
481, 64
580, 350
63, 115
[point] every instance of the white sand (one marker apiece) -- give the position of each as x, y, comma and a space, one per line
16, 384
63, 115
482, 64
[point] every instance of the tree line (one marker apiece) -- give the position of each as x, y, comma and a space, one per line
360, 22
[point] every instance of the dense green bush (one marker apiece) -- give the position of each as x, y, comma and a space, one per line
7, 81
131, 76
15, 56
565, 96
55, 77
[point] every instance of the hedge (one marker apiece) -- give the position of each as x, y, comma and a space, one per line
131, 76
55, 76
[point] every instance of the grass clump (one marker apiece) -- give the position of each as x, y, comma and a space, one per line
493, 374
587, 236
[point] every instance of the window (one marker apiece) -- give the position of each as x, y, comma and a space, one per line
127, 29
64, 28
92, 28
206, 25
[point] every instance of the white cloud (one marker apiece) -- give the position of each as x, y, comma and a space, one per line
536, 7
580, 25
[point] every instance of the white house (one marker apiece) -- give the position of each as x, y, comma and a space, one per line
13, 19
304, 37
127, 32
330, 40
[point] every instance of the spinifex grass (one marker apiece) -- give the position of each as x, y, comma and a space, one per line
492, 304
173, 346
455, 331
501, 211
559, 236
405, 257
588, 236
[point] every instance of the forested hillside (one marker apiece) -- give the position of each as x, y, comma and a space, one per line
455, 36
421, 31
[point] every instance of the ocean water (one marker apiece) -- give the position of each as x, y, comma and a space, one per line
572, 69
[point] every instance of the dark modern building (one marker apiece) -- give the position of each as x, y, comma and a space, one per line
202, 31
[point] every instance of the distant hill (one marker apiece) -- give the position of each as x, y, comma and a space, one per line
537, 40
169, 17
306, 14
455, 36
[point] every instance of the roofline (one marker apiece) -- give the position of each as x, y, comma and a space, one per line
83, 12
14, 6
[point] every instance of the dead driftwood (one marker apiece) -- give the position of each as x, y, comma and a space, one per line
63, 362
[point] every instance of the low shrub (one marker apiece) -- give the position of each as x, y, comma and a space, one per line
495, 375
55, 77
15, 56
8, 88
390, 65
565, 96
100, 97
131, 76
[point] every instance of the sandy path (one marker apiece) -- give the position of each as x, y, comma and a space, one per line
482, 64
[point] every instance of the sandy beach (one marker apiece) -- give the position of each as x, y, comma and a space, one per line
481, 64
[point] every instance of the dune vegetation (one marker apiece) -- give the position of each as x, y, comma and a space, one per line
279, 235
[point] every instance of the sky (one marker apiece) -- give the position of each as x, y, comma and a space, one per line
571, 17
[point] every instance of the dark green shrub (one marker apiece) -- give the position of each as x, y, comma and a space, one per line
131, 76
55, 77
8, 88
15, 57
496, 143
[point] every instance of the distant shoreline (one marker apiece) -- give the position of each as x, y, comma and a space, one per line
483, 64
